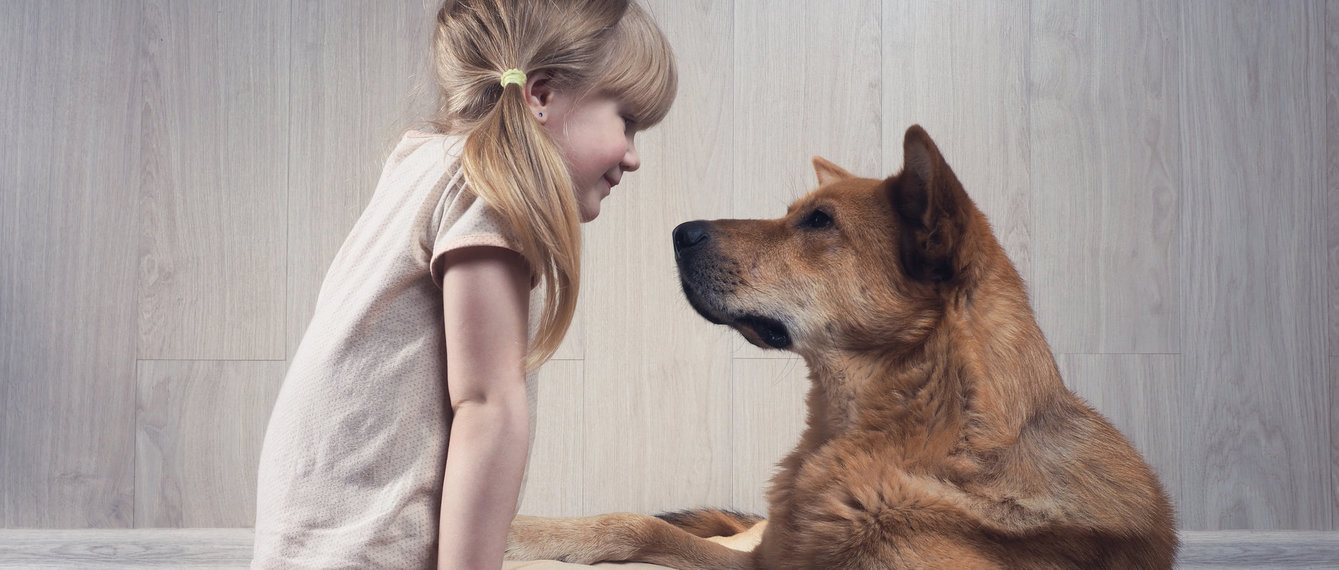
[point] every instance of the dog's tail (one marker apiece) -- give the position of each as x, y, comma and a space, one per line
711, 522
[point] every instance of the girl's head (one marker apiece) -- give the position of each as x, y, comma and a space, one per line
587, 62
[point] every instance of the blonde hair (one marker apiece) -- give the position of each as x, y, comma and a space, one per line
610, 47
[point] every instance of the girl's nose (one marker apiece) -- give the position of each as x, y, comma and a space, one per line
631, 160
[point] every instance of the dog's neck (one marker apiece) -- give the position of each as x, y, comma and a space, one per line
975, 375
920, 397
1005, 360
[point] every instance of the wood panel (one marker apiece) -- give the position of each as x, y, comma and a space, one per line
1138, 393
69, 112
554, 472
199, 427
1106, 151
960, 71
770, 168
767, 416
657, 376
1257, 549
1332, 162
842, 86
1253, 268
215, 177
216, 548
360, 78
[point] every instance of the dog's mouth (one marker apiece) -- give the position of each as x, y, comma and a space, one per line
763, 331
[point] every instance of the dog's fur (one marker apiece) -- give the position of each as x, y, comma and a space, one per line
939, 433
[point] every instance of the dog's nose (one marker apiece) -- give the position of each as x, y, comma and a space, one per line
689, 234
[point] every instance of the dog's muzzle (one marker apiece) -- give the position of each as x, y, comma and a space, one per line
709, 292
688, 236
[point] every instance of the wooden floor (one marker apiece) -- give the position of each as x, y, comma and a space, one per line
231, 548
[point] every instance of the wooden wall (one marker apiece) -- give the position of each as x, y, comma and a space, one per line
176, 175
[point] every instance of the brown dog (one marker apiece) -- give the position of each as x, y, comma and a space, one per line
940, 434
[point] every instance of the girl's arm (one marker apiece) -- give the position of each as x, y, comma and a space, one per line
485, 293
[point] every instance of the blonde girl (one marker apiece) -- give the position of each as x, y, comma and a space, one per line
400, 435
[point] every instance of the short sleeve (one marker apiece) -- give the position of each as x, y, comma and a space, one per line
465, 220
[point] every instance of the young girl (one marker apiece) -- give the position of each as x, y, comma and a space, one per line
400, 436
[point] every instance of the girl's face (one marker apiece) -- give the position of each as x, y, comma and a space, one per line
596, 139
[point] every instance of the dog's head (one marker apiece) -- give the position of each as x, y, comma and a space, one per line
857, 264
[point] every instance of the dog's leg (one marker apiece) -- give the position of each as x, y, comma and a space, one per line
618, 537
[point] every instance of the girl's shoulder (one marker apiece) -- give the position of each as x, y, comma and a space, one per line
416, 137
421, 134
420, 150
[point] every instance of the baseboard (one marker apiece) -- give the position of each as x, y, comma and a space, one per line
230, 548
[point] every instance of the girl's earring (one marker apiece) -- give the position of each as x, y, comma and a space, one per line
541, 115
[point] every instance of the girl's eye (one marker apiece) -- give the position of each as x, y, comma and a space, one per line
629, 123
817, 219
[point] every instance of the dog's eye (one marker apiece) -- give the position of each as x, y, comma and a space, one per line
817, 219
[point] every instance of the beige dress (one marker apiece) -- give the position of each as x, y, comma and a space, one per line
351, 469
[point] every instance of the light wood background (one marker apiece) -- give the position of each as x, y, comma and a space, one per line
175, 176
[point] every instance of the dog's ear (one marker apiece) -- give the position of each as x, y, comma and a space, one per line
828, 172
933, 209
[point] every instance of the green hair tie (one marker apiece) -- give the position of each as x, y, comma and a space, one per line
513, 75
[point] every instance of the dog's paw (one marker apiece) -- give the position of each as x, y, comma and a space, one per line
745, 541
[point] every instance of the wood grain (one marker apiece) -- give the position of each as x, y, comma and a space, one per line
1253, 267
767, 416
1106, 177
217, 548
1138, 393
770, 168
960, 71
215, 175
360, 77
1332, 163
199, 427
554, 472
69, 112
1258, 549
657, 376
842, 86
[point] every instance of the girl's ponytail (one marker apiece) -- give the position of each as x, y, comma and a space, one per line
512, 164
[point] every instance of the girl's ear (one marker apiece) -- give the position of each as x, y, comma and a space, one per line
539, 95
